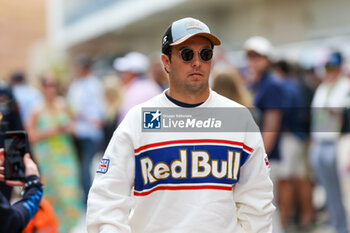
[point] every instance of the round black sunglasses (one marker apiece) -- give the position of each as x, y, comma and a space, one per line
187, 54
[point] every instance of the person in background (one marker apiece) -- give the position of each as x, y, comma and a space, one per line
9, 120
261, 82
14, 218
343, 155
328, 105
26, 95
294, 186
113, 96
137, 88
86, 101
158, 74
50, 130
268, 102
228, 82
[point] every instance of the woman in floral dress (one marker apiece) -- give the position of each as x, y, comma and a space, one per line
50, 129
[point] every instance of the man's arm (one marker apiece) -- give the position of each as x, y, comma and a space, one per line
272, 121
110, 201
253, 194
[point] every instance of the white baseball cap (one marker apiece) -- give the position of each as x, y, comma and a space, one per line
259, 45
183, 29
134, 61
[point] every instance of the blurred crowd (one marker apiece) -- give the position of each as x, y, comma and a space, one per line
303, 114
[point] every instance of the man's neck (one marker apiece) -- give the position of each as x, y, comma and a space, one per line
191, 98
182, 104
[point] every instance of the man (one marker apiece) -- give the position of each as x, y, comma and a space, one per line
16, 217
86, 100
328, 104
177, 185
294, 185
270, 103
268, 100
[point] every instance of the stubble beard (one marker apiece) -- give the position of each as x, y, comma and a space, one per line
189, 87
196, 86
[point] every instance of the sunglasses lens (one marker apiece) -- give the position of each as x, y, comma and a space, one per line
187, 54
206, 54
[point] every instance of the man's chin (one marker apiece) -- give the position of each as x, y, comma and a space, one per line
197, 85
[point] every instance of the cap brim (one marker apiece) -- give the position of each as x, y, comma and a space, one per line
214, 40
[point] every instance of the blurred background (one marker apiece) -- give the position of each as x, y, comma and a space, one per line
39, 34
49, 43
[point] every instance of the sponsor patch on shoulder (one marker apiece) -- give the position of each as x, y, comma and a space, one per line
267, 163
103, 166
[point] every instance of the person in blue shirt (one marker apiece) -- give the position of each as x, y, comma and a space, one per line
293, 181
268, 101
268, 94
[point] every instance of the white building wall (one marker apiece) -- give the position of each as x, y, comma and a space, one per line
139, 24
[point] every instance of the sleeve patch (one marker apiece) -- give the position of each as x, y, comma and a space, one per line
103, 166
267, 163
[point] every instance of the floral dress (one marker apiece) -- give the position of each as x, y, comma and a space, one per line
57, 161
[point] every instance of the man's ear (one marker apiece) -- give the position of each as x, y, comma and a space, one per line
166, 62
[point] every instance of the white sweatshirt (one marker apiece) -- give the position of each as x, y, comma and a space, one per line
175, 182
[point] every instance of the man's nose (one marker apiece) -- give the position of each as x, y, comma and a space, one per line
196, 61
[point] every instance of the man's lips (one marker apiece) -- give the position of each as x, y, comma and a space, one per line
196, 74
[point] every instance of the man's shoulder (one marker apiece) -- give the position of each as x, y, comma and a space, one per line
271, 90
268, 81
222, 101
344, 81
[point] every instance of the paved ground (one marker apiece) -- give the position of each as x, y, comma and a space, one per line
319, 226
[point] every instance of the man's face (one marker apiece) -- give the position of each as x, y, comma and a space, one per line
81, 71
126, 77
188, 76
332, 73
256, 64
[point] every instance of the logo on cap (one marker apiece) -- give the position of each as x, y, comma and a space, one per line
165, 39
194, 24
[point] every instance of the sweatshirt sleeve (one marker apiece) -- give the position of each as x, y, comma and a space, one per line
110, 200
253, 193
16, 217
